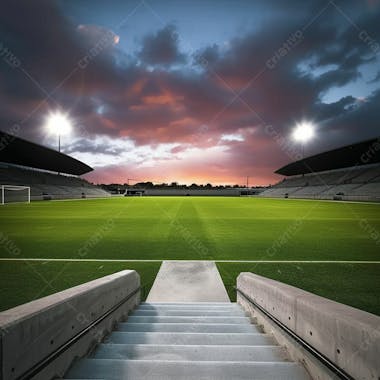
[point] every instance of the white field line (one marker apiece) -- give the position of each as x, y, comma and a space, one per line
216, 261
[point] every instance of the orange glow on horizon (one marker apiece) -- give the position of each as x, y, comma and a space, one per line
188, 180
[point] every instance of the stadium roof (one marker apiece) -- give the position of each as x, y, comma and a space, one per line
362, 153
15, 150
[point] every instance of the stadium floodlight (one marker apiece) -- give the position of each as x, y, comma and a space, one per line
303, 132
59, 124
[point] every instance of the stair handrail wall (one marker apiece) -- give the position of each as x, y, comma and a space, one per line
347, 337
42, 338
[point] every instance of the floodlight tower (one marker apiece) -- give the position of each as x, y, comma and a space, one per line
58, 124
302, 133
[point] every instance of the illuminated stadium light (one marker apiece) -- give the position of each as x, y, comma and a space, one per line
303, 132
59, 124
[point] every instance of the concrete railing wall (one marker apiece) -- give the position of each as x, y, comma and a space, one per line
349, 337
35, 330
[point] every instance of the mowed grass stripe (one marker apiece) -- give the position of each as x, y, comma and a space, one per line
229, 228
143, 231
189, 232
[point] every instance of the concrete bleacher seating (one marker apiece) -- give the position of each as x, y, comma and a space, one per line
309, 191
370, 189
370, 175
355, 183
49, 185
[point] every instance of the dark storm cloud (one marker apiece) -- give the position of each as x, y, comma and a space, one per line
162, 48
375, 79
207, 56
89, 146
284, 93
362, 119
56, 57
194, 105
324, 111
49, 47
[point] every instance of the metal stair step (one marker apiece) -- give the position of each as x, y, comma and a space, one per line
191, 313
191, 353
180, 370
251, 339
188, 327
190, 307
187, 319
189, 303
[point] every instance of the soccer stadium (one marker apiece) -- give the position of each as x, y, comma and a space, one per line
183, 250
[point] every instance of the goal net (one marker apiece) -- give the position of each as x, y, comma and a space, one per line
13, 193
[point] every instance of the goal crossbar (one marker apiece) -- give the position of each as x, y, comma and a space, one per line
14, 188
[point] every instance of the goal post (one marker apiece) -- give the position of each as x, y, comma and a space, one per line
14, 193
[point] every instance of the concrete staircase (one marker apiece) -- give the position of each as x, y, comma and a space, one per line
188, 341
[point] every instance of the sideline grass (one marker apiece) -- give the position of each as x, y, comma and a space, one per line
193, 228
357, 285
25, 281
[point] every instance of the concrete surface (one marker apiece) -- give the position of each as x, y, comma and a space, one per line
188, 319
33, 331
189, 305
188, 281
193, 350
191, 353
256, 339
187, 327
187, 312
111, 369
347, 336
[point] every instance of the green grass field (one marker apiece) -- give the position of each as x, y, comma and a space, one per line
190, 228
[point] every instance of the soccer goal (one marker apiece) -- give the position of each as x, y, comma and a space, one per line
13, 193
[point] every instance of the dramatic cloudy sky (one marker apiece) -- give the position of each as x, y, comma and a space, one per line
192, 91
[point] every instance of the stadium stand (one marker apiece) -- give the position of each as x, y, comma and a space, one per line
28, 164
45, 185
348, 173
